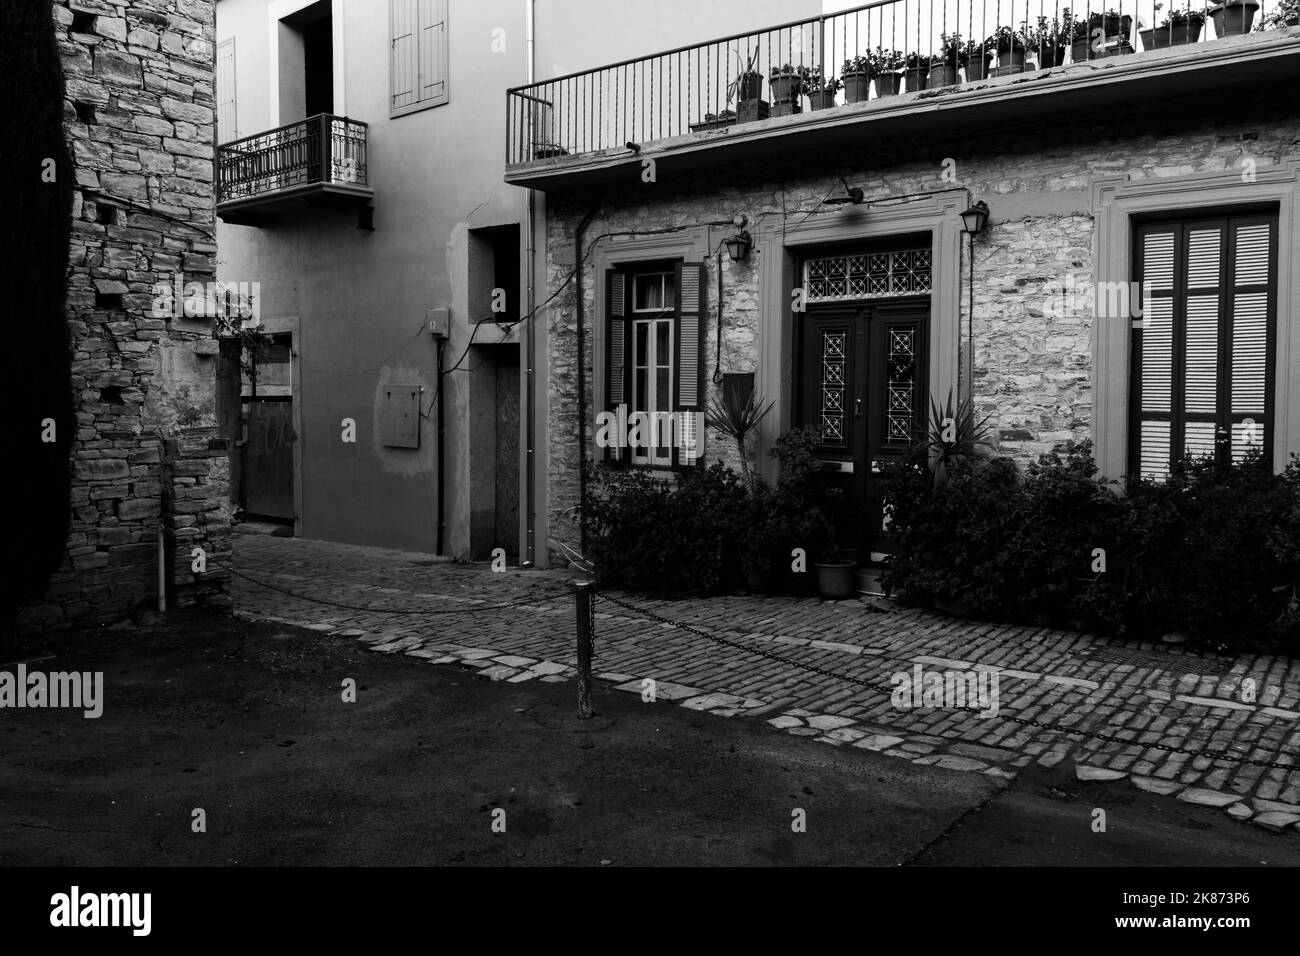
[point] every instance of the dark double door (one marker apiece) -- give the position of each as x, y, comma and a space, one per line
862, 385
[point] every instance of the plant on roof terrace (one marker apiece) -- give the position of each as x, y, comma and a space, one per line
1177, 28
1006, 40
1285, 14
1050, 38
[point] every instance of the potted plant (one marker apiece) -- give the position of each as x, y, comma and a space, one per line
1049, 39
748, 84
1101, 35
857, 75
821, 90
1285, 14
836, 572
974, 59
1176, 29
916, 69
1233, 17
943, 66
786, 82
886, 68
737, 420
1010, 46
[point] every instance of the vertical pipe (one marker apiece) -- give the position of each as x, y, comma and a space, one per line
530, 339
441, 398
162, 572
582, 591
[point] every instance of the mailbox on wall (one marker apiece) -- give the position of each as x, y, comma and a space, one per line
399, 418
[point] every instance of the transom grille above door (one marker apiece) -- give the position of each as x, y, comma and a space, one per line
867, 275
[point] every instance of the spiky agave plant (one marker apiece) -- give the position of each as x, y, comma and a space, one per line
954, 437
736, 420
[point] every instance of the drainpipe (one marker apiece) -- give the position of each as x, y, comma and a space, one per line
582, 376
442, 446
530, 339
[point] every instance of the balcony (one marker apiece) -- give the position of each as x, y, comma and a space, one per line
319, 161
888, 69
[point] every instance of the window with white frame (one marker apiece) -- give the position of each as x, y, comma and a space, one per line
654, 298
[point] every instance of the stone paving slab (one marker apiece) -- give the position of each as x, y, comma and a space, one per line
518, 626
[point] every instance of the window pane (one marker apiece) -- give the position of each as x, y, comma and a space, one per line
1249, 352
649, 292
1203, 257
1198, 440
640, 355
663, 344
1157, 354
1202, 366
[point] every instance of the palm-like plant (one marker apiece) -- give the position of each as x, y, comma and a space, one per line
954, 438
736, 419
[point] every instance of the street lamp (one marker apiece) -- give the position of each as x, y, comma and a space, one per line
973, 221
738, 246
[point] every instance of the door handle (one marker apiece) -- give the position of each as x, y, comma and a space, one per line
858, 407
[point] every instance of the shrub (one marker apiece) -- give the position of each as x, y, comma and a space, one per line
646, 533
1213, 551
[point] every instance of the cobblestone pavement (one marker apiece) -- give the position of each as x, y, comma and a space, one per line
1129, 702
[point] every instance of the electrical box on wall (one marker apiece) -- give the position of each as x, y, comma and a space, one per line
399, 417
438, 322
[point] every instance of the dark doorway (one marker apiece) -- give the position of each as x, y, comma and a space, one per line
863, 386
267, 453
318, 62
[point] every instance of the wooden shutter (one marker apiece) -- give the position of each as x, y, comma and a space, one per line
692, 355
616, 347
227, 117
403, 65
691, 347
433, 52
1203, 350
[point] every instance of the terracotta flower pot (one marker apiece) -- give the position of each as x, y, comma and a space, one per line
942, 74
915, 77
976, 67
785, 87
1234, 17
822, 100
887, 84
1158, 38
857, 87
837, 579
751, 86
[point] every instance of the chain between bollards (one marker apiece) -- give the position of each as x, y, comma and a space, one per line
585, 592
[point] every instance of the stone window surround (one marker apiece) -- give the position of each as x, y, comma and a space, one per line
1116, 201
689, 245
779, 245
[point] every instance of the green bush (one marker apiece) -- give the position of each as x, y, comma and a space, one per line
1214, 551
645, 533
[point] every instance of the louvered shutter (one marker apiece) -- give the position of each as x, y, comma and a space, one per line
616, 340
1202, 351
689, 393
433, 52
403, 57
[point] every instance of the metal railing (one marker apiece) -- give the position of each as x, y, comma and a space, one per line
876, 50
319, 149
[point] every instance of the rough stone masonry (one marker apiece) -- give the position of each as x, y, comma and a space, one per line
139, 120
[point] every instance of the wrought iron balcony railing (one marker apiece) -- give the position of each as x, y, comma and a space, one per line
872, 51
320, 150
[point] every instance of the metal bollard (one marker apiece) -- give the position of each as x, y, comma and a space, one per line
583, 590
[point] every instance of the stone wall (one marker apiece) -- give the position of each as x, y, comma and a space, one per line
1033, 366
139, 119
